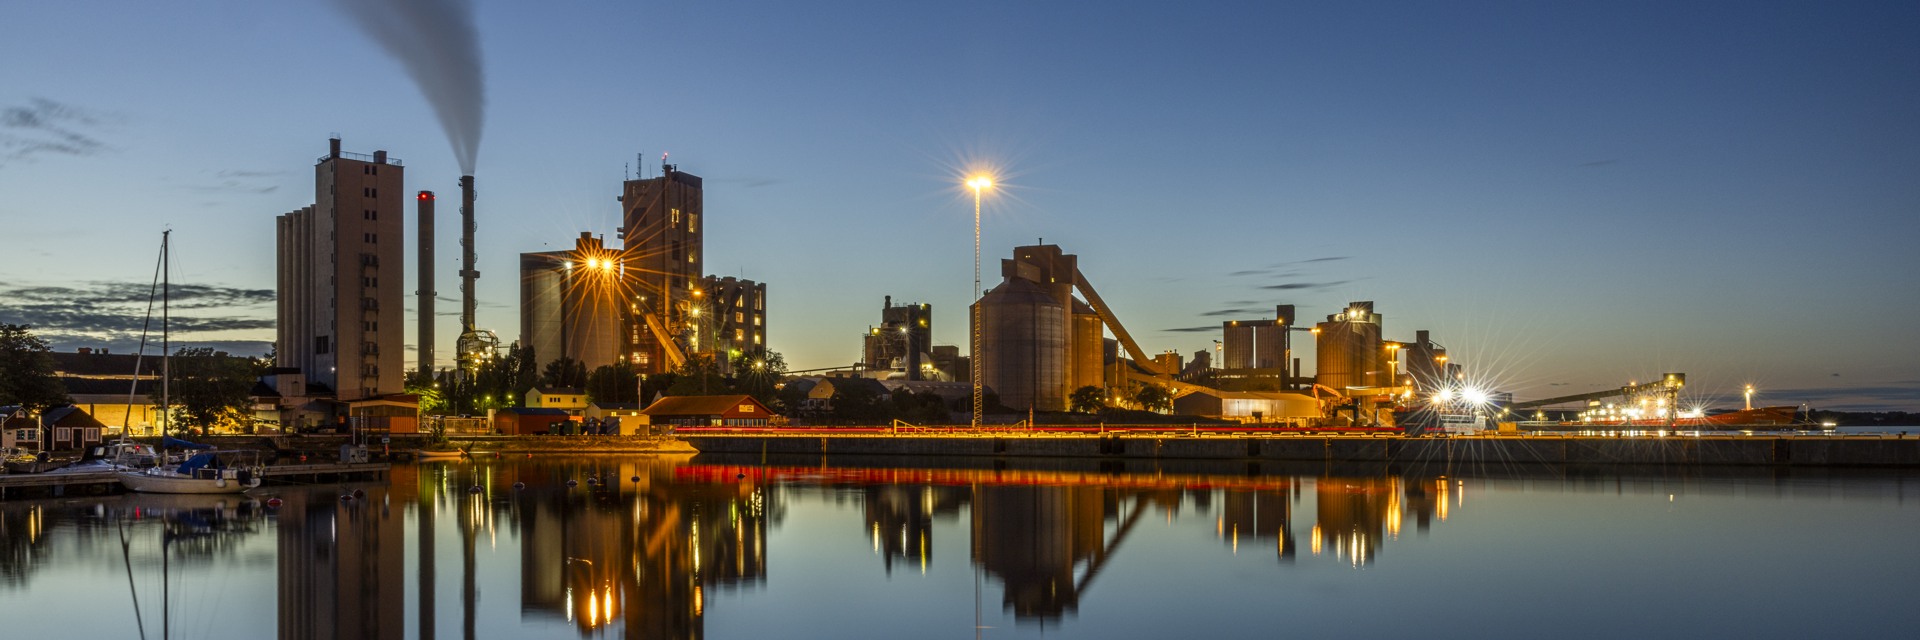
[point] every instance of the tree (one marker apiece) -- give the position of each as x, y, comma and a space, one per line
26, 371
617, 382
565, 372
858, 404
757, 372
492, 384
209, 389
1153, 397
698, 376
1088, 399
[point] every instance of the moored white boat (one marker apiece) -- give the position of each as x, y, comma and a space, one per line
208, 472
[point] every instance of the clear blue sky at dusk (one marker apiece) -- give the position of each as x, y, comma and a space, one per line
1569, 196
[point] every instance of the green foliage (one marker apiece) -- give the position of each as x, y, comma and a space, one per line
1153, 397
433, 402
859, 404
757, 372
494, 384
699, 376
209, 389
26, 370
919, 408
617, 382
564, 372
1088, 399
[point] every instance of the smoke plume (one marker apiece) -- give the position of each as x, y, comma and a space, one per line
435, 40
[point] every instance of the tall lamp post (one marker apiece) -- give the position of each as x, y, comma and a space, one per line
978, 183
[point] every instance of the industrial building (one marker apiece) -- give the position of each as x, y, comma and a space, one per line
573, 304
901, 345
660, 232
732, 318
340, 278
1349, 352
1039, 342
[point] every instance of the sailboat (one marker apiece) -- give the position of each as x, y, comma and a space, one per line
205, 472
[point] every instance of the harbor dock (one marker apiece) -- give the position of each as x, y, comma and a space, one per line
1556, 449
60, 484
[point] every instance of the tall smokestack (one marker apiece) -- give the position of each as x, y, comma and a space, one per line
467, 273
426, 293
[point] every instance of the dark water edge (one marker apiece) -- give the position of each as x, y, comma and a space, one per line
718, 546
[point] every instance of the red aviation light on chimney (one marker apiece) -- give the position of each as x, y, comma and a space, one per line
426, 195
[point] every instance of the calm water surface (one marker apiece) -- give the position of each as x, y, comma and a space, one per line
669, 548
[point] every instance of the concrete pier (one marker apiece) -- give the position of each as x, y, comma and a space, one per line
1784, 450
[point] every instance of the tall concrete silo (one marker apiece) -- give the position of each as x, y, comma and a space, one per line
1348, 349
1024, 357
1086, 366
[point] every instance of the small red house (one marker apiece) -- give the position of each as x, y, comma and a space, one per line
528, 421
705, 411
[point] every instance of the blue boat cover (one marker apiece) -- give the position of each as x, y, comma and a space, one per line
171, 442
197, 462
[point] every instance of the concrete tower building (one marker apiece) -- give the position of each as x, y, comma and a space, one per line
733, 317
341, 279
660, 232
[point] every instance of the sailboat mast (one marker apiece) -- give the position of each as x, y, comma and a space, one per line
166, 349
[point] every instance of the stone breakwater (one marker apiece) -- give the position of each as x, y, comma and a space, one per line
1800, 451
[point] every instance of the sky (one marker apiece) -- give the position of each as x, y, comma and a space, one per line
1570, 196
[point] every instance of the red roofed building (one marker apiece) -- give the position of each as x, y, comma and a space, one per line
708, 411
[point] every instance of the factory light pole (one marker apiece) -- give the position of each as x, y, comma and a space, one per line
978, 183
1749, 394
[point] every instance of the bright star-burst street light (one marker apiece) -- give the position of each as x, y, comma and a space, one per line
978, 183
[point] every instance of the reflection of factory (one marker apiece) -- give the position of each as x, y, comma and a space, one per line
1033, 538
1262, 517
1355, 516
901, 517
642, 554
341, 566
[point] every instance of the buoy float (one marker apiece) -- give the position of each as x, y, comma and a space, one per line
357, 493
346, 497
273, 502
572, 483
635, 479
476, 489
738, 476
519, 485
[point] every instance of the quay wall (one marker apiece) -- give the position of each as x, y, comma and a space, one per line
1569, 450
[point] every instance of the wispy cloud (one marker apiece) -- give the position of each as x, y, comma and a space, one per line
46, 127
1204, 329
1296, 286
1882, 397
1232, 312
113, 313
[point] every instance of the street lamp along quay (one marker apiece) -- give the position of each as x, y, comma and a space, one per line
978, 183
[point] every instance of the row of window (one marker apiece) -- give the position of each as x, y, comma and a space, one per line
371, 192
370, 238
371, 169
369, 214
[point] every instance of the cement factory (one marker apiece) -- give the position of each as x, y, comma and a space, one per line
1047, 342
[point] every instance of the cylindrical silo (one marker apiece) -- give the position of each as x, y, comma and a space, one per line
1023, 349
1347, 352
1086, 350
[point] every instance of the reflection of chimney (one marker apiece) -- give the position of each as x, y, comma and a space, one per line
425, 292
467, 273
